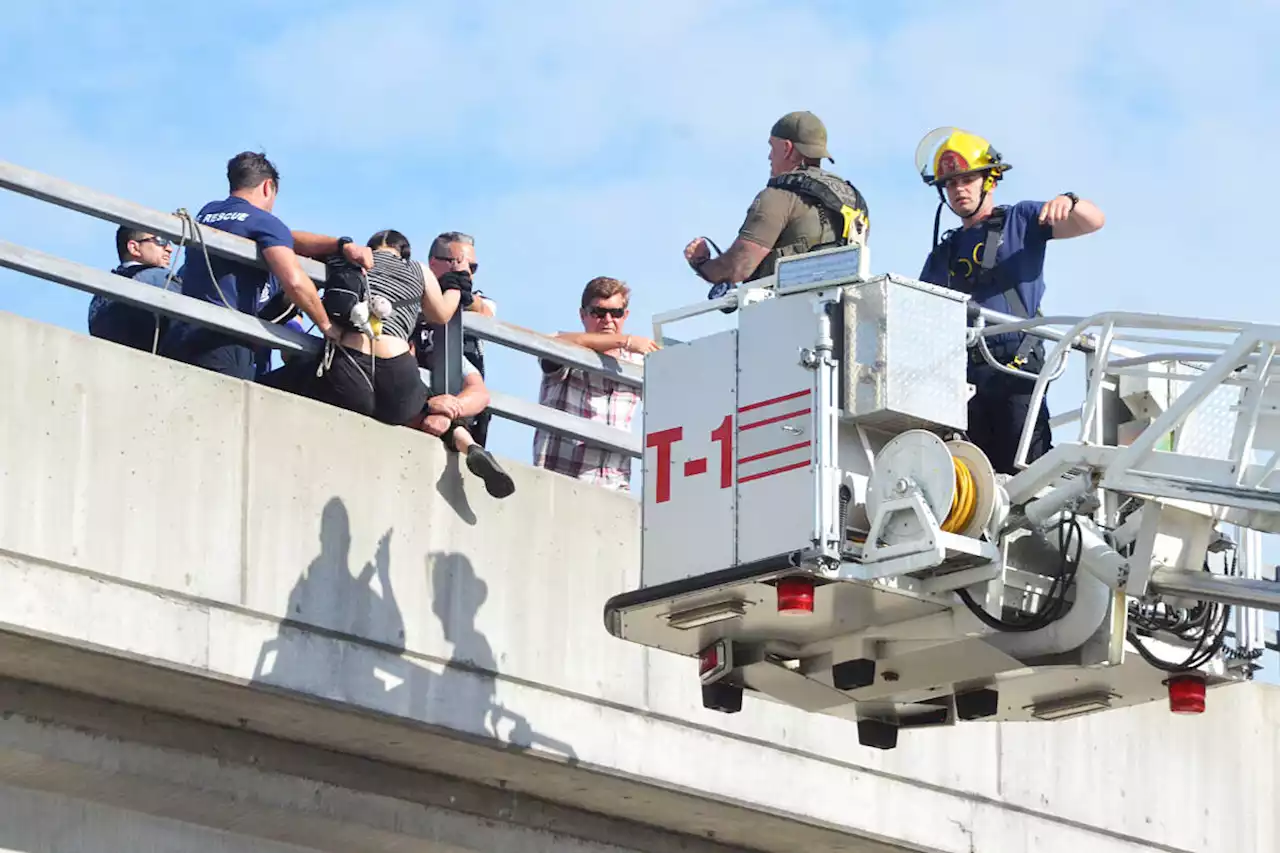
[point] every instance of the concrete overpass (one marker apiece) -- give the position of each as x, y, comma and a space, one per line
233, 620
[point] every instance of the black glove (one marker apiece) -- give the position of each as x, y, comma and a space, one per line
461, 282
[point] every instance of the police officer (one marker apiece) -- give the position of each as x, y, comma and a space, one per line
801, 209
997, 257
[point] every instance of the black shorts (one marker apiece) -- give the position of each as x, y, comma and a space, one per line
387, 389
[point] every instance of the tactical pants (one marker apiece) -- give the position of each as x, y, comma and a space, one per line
998, 411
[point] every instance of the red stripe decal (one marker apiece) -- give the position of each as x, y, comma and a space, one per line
781, 399
788, 416
769, 453
784, 469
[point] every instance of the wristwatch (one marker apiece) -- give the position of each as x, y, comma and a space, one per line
1075, 199
342, 243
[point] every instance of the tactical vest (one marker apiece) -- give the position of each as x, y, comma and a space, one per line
843, 216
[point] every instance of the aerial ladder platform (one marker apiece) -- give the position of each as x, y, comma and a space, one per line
818, 532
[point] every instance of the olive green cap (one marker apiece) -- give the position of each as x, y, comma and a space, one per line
804, 130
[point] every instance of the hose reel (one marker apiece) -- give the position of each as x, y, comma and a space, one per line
953, 478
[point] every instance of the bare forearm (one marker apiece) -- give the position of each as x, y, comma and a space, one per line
1085, 218
302, 292
437, 307
734, 265
598, 341
297, 286
316, 246
474, 398
440, 308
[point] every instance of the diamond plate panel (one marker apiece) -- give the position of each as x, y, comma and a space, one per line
905, 359
1208, 430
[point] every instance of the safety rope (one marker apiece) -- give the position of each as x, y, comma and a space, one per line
168, 282
198, 234
189, 224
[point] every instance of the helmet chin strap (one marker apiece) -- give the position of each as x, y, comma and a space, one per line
988, 184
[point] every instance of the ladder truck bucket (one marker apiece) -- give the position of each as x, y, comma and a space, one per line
819, 532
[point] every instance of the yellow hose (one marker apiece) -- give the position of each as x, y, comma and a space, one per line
964, 501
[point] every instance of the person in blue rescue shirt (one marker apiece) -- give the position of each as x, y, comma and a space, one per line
997, 257
246, 212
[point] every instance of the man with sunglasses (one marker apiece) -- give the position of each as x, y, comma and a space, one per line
604, 310
144, 257
453, 260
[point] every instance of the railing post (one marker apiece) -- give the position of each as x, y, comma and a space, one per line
446, 357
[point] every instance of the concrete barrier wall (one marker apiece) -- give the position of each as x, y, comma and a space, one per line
164, 513
38, 822
124, 785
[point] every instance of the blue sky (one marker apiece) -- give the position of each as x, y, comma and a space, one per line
595, 139
590, 138
586, 138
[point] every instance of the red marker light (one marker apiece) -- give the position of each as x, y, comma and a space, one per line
795, 595
1186, 694
715, 661
708, 659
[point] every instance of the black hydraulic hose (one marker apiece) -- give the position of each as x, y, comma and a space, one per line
1056, 596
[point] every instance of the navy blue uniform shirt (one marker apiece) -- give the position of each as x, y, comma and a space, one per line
956, 261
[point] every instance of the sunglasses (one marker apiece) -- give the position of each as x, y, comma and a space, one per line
600, 313
162, 242
474, 264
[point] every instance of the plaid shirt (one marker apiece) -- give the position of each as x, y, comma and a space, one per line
596, 398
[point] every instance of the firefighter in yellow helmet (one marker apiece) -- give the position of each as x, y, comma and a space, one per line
997, 257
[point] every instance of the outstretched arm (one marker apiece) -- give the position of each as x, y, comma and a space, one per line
319, 247
298, 286
1068, 221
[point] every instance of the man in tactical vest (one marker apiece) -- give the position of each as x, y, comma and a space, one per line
997, 257
801, 209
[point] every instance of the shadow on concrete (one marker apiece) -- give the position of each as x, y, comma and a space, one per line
452, 487
344, 640
457, 596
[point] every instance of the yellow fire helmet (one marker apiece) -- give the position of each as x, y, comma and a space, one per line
949, 152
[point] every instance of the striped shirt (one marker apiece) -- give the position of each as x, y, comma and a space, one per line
401, 283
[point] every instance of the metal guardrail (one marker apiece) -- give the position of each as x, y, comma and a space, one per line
246, 327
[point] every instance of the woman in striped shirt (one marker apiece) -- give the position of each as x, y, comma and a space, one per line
378, 376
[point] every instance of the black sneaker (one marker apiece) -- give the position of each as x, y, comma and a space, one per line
484, 465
